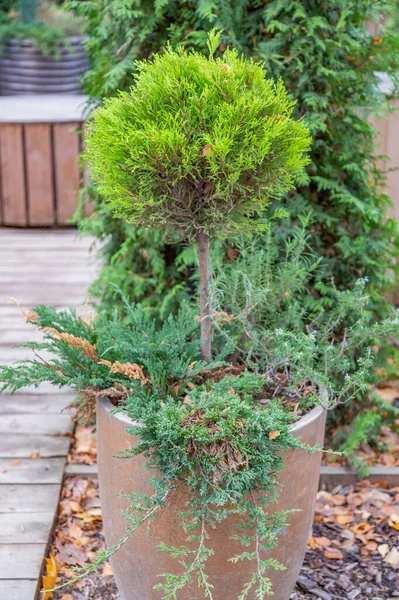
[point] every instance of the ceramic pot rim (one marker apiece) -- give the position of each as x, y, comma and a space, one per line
297, 427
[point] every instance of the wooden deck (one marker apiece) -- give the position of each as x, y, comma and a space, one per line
36, 266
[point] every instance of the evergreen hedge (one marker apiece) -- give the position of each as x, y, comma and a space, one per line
328, 60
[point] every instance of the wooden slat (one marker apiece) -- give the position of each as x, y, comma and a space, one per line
49, 295
73, 469
10, 311
29, 498
40, 188
21, 561
23, 446
44, 388
34, 403
70, 278
35, 424
60, 237
330, 477
25, 528
20, 336
9, 354
22, 589
31, 471
67, 172
12, 175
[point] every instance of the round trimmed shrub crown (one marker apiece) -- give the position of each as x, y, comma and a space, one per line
197, 144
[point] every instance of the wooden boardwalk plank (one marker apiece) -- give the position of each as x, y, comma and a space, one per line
25, 528
43, 388
22, 589
24, 498
23, 446
37, 267
28, 278
30, 471
35, 424
53, 296
34, 403
21, 561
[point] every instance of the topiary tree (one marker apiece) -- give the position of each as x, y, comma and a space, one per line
197, 148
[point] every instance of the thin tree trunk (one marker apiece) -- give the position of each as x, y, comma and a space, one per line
203, 260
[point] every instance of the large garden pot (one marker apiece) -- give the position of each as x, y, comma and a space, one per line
137, 564
25, 70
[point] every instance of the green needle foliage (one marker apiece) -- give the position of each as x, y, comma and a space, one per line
197, 148
197, 145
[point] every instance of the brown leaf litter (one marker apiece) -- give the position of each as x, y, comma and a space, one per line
353, 553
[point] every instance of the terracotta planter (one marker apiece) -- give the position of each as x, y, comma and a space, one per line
25, 70
137, 564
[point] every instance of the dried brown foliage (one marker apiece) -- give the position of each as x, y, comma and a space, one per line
90, 350
227, 456
85, 405
129, 369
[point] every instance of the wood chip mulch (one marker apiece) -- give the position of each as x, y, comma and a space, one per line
353, 552
354, 549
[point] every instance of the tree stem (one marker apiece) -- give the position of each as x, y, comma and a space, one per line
203, 261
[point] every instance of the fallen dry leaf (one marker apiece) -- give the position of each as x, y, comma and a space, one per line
324, 542
35, 455
15, 463
392, 558
394, 521
75, 531
388, 394
107, 570
333, 553
274, 434
50, 578
338, 500
344, 519
383, 550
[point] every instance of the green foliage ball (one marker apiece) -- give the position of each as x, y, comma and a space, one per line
197, 144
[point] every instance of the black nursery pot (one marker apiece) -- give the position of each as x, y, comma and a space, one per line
25, 70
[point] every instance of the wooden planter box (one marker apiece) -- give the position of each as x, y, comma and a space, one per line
40, 143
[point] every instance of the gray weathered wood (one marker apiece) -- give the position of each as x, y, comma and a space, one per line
31, 424
73, 469
34, 403
42, 107
73, 278
36, 267
22, 446
333, 476
25, 528
21, 561
10, 354
22, 589
31, 471
43, 388
53, 295
24, 498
